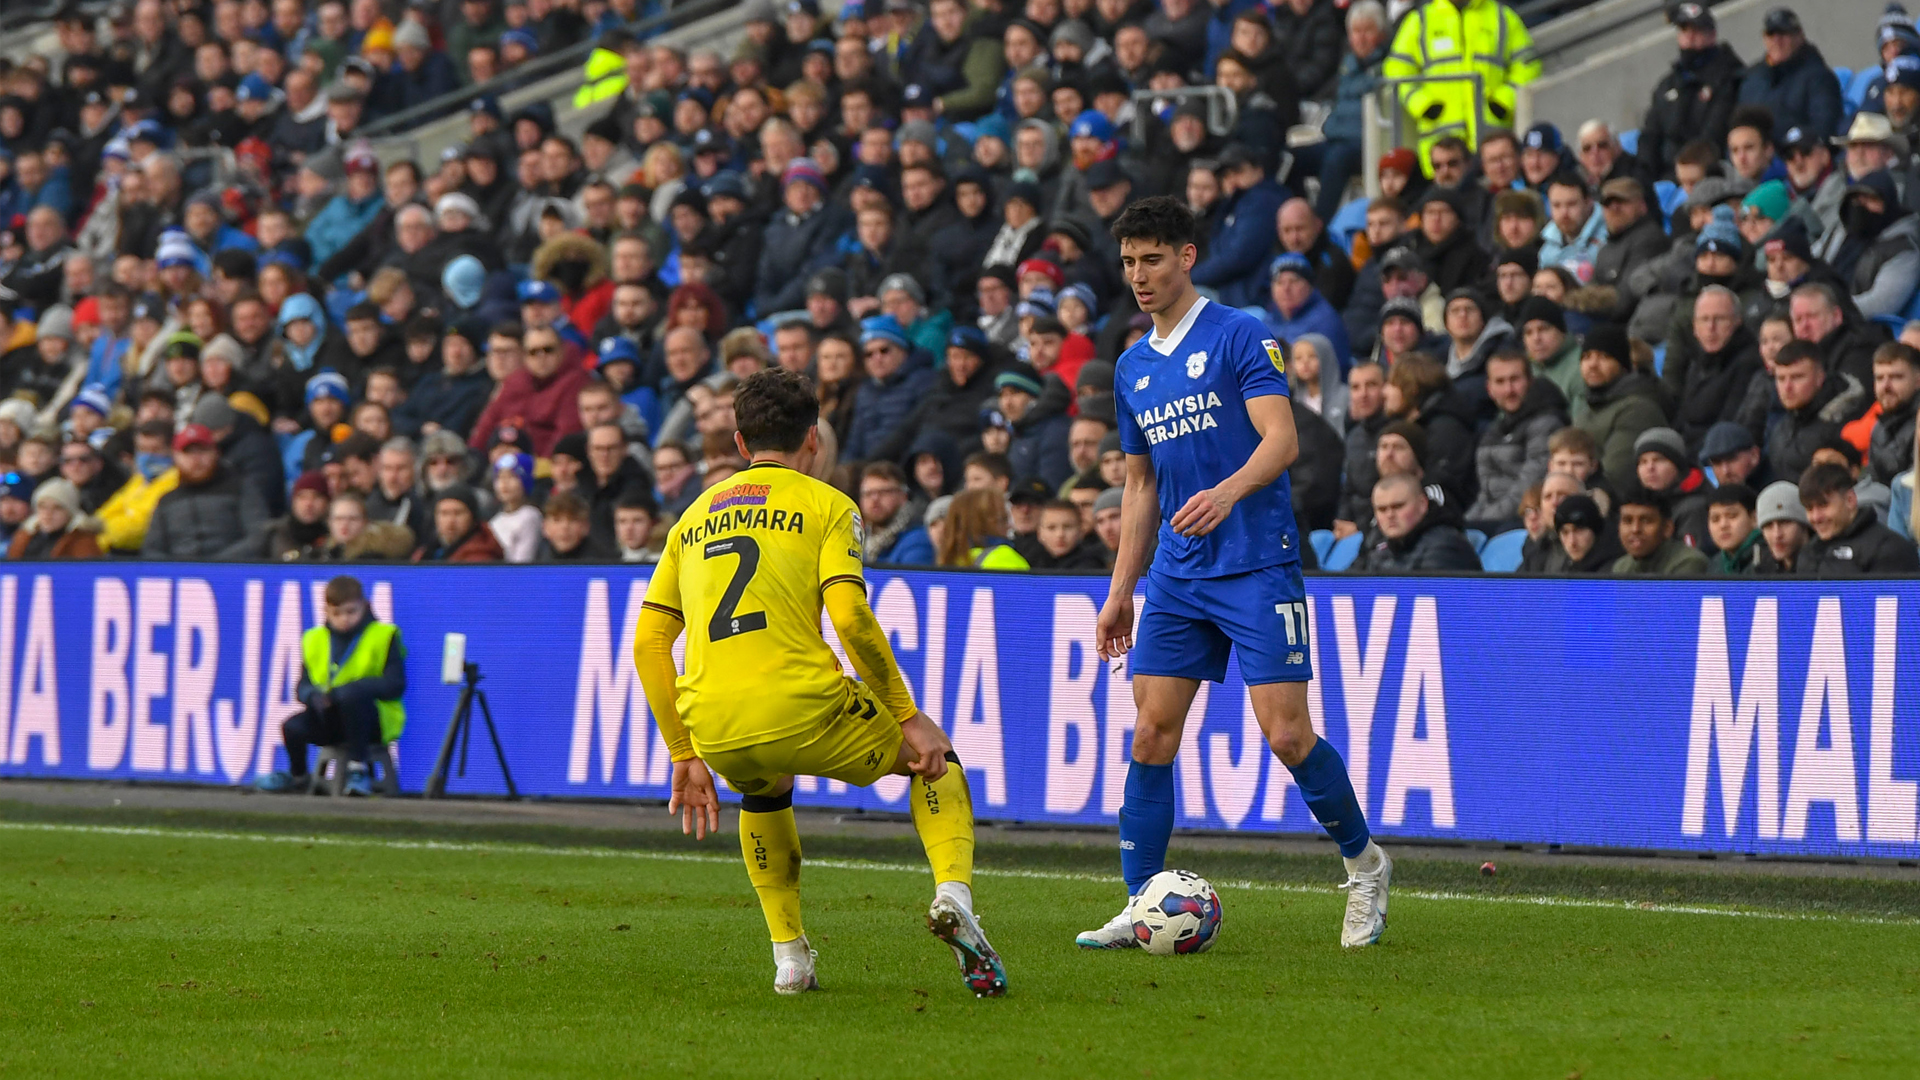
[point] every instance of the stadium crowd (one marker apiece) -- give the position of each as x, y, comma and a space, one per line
229, 331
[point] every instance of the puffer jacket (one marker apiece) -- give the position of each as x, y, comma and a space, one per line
1693, 101
794, 248
1801, 92
1512, 455
1039, 445
1794, 437
1890, 452
1864, 547
882, 406
222, 518
1434, 544
1449, 419
1616, 414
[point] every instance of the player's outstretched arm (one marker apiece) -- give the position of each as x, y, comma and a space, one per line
694, 797
866, 643
1139, 521
1272, 417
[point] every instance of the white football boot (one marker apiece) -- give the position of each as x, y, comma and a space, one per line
793, 967
1366, 889
1116, 934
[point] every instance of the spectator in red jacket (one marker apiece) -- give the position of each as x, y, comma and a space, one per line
540, 398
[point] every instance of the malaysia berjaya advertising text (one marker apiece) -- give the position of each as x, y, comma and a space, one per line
1777, 717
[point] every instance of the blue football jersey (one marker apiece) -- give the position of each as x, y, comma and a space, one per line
1183, 402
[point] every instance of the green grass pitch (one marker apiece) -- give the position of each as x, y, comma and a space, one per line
389, 950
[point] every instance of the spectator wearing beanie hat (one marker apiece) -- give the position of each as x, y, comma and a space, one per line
1621, 402
459, 534
58, 529
799, 239
1553, 352
1587, 545
1662, 465
1783, 529
303, 533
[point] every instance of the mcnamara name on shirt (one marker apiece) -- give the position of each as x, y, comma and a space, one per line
1181, 416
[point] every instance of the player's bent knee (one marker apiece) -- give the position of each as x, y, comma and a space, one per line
1292, 746
767, 804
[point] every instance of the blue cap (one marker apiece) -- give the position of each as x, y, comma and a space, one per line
17, 485
95, 397
698, 94
725, 183
534, 291
1091, 124
883, 328
969, 338
254, 87
486, 103
328, 383
915, 96
617, 348
523, 38
150, 131
1038, 302
1543, 137
1292, 261
519, 464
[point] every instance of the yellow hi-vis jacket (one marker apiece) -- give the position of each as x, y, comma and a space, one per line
365, 659
1460, 37
606, 75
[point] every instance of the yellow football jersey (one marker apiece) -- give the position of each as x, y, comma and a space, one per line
744, 569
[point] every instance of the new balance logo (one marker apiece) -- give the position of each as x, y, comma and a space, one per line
1126, 845
1296, 658
1141, 383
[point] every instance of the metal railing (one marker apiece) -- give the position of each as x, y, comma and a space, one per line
1374, 123
1222, 109
538, 68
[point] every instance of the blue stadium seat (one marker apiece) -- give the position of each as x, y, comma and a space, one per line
1321, 540
1659, 359
1912, 310
1630, 141
1343, 553
1855, 91
1348, 221
1477, 538
1670, 195
1501, 555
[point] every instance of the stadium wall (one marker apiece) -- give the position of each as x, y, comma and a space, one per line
1727, 716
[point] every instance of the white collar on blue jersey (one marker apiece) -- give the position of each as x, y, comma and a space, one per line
1165, 345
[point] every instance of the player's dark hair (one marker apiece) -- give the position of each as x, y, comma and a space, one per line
1735, 494
1823, 481
774, 409
344, 590
1160, 219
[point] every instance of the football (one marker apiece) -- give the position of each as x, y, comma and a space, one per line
1176, 913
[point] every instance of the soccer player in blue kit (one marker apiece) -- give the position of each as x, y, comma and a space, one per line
1208, 433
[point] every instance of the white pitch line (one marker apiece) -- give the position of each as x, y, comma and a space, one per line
492, 848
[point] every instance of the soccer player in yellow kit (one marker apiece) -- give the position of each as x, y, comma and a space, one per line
745, 573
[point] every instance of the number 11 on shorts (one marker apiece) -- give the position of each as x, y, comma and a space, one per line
1288, 613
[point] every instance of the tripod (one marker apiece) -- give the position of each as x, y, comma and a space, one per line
461, 728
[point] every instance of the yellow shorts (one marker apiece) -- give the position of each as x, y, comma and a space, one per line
857, 745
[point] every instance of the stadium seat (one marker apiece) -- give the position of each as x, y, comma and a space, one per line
1343, 553
1347, 222
1845, 77
1321, 540
1855, 92
1659, 359
1477, 538
1630, 142
1501, 555
1670, 196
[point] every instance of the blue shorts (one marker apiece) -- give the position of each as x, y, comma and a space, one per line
1189, 624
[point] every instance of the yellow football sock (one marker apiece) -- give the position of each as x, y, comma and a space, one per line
943, 816
770, 844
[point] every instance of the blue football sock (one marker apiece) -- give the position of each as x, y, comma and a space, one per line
1146, 823
1329, 794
